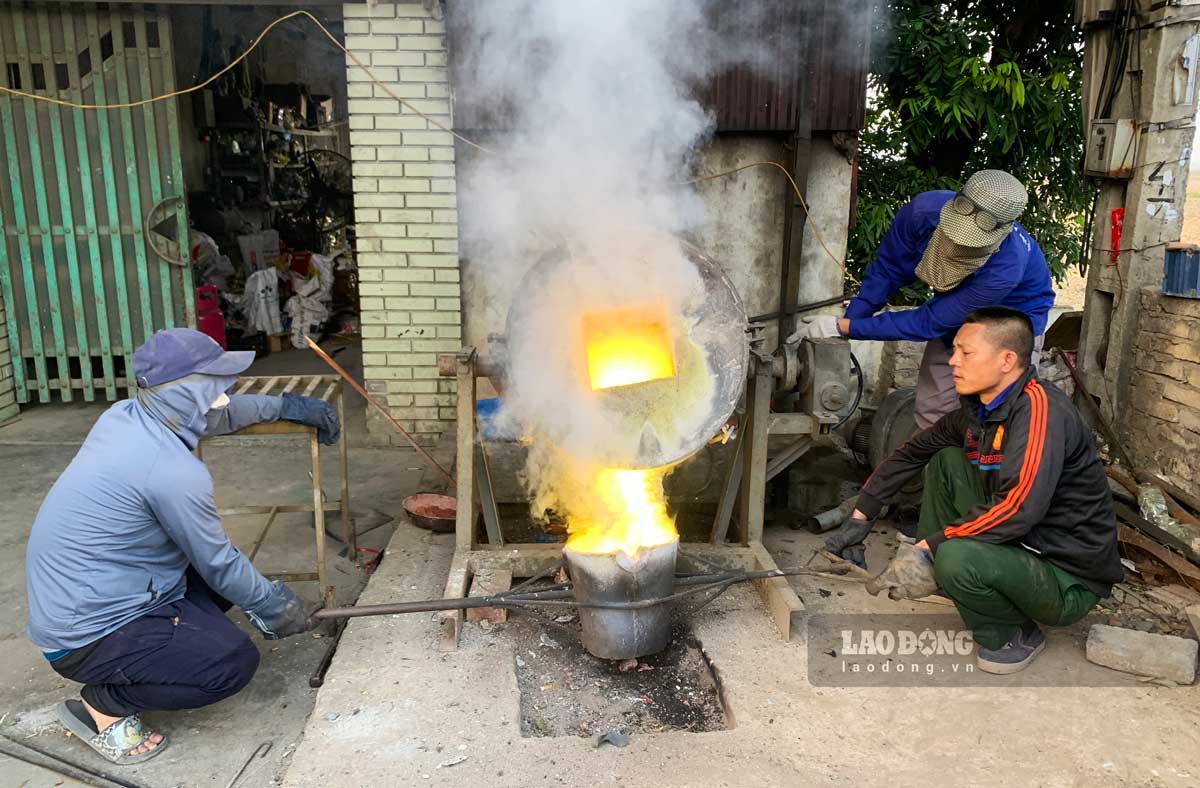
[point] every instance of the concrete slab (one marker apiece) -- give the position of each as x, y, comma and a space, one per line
396, 710
25, 775
1143, 653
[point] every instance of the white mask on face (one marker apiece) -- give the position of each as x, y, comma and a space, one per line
220, 402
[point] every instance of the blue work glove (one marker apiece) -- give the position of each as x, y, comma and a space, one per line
281, 615
314, 413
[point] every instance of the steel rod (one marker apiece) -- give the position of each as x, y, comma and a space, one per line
435, 605
371, 401
262, 535
1114, 443
60, 765
802, 308
317, 679
565, 596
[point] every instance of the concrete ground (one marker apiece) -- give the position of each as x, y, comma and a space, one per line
208, 745
396, 711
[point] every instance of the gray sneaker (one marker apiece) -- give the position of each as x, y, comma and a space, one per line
1014, 655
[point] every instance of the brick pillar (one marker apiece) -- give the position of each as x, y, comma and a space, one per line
405, 212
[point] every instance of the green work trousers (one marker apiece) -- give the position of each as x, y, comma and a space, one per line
997, 588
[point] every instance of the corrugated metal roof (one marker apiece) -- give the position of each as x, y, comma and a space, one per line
768, 95
834, 34
842, 57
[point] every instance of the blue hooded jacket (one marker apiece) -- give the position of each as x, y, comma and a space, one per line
1016, 276
120, 526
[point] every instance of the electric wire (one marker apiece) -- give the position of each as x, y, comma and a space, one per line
539, 576
799, 196
858, 396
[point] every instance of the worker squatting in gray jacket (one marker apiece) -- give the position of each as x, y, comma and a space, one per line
129, 570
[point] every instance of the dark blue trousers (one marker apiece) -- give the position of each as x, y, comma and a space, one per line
182, 655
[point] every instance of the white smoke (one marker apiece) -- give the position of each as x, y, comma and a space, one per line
597, 102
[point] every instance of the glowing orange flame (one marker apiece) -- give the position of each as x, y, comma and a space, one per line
636, 515
627, 346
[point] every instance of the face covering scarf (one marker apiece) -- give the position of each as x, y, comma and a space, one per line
183, 405
945, 264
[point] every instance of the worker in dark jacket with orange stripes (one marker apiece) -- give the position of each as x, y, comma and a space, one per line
1017, 524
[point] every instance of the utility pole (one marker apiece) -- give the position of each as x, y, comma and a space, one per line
1140, 85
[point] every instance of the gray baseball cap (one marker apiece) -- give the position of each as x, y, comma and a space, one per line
982, 212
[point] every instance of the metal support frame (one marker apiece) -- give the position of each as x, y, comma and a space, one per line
526, 560
327, 388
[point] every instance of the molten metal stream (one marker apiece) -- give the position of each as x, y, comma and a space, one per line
624, 347
636, 515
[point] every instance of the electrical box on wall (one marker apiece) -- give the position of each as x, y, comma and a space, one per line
1090, 11
1111, 149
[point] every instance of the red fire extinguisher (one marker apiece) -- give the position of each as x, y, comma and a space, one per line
209, 317
1118, 223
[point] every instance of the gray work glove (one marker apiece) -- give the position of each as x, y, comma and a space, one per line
282, 614
822, 326
314, 413
847, 541
908, 576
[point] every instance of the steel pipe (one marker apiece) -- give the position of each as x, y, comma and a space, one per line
827, 521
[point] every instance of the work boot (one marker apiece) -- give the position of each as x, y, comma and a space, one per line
1014, 655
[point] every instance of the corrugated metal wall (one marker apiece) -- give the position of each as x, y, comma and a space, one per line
821, 45
842, 58
82, 284
768, 95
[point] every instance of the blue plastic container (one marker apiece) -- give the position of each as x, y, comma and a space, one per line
487, 410
1181, 272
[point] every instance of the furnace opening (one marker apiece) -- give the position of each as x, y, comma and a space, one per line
628, 346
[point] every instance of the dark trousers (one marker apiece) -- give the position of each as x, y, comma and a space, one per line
997, 588
182, 655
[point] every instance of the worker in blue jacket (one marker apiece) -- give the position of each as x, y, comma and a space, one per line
129, 571
968, 247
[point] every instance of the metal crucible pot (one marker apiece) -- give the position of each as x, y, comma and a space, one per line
617, 579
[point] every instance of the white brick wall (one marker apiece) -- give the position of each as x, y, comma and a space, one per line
406, 214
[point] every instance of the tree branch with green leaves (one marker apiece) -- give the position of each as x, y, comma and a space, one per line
961, 86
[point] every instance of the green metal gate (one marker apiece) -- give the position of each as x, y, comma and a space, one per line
82, 281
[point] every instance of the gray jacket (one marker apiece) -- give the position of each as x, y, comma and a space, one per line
122, 523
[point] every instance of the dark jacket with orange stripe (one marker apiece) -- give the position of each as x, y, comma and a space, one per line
1044, 483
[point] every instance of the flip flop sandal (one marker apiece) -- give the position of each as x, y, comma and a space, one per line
116, 742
